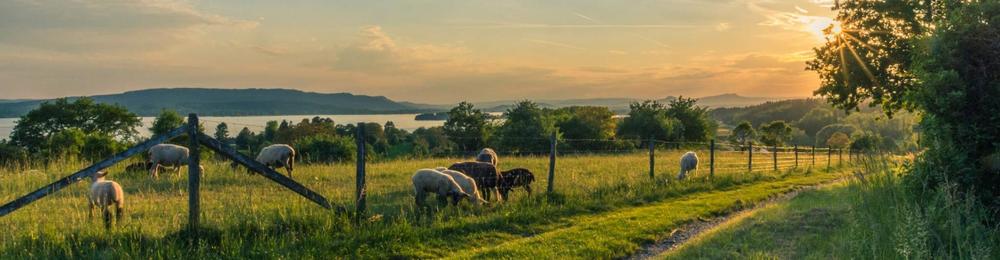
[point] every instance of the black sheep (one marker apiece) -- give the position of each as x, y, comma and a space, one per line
513, 178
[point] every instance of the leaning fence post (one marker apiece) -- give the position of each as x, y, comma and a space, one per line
796, 147
652, 159
711, 159
361, 194
194, 175
552, 161
750, 158
813, 156
775, 156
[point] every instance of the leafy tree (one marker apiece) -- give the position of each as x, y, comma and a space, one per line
222, 132
66, 143
270, 131
826, 132
865, 142
245, 139
838, 140
526, 129
431, 141
744, 133
11, 154
327, 148
166, 121
393, 135
775, 133
648, 119
467, 126
33, 129
590, 125
695, 126
97, 146
816, 119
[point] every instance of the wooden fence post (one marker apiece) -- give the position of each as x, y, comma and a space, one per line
840, 157
711, 159
652, 158
775, 156
796, 147
750, 158
552, 161
194, 175
361, 194
829, 157
813, 156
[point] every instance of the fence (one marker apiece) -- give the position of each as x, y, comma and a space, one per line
643, 159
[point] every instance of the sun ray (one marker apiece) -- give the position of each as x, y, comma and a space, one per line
843, 64
855, 39
864, 67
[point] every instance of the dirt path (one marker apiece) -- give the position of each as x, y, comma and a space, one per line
679, 236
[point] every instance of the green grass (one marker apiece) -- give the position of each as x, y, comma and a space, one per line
801, 228
248, 216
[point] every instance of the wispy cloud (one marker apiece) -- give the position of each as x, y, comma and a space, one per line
556, 44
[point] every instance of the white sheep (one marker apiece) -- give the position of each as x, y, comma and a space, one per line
467, 183
689, 162
168, 155
432, 181
487, 155
104, 193
278, 155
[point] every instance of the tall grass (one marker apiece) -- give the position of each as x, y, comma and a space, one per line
249, 216
887, 220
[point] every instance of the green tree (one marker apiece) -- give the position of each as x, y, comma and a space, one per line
33, 129
695, 124
166, 121
245, 139
11, 155
270, 131
526, 129
431, 141
222, 132
775, 133
743, 134
648, 119
827, 131
816, 119
865, 142
66, 143
838, 140
467, 126
327, 148
98, 146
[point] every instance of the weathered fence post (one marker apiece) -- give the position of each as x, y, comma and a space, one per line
552, 161
829, 157
774, 155
711, 159
796, 147
813, 156
750, 157
652, 157
840, 157
361, 194
194, 175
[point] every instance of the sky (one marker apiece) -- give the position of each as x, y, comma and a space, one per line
420, 50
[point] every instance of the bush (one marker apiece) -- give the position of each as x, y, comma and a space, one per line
328, 149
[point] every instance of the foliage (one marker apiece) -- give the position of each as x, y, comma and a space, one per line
11, 155
326, 148
838, 140
467, 126
775, 133
816, 119
695, 124
431, 141
743, 134
649, 120
34, 129
166, 121
526, 129
589, 125
865, 142
222, 133
826, 132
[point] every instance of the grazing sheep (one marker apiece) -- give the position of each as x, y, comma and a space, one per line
104, 193
138, 166
486, 175
487, 155
432, 181
278, 155
168, 155
517, 177
689, 162
467, 183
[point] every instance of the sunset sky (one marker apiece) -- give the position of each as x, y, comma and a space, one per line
422, 51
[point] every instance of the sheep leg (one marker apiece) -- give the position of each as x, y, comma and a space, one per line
442, 200
91, 204
119, 211
420, 198
528, 188
107, 217
290, 166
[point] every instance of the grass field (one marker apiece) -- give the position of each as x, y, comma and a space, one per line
248, 216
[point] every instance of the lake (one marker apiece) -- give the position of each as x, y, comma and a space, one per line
256, 123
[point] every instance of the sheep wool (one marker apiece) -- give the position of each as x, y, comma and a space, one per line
426, 181
104, 193
467, 183
487, 155
513, 178
166, 155
278, 155
486, 175
689, 162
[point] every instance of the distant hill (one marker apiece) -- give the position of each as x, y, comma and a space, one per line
621, 105
785, 110
238, 102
